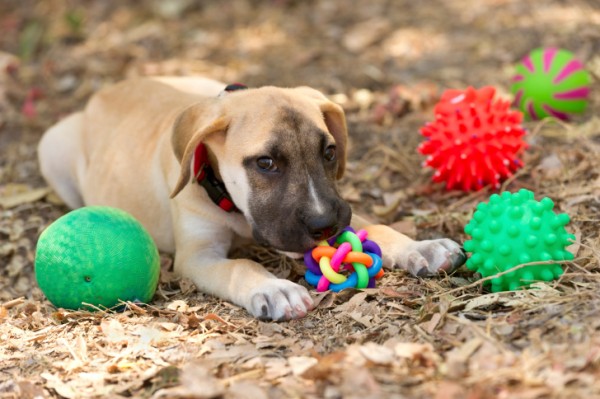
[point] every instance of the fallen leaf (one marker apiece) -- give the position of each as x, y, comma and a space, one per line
197, 379
24, 197
377, 354
365, 34
114, 331
54, 382
196, 382
27, 390
325, 367
365, 320
551, 167
299, 364
406, 227
276, 368
433, 323
423, 353
246, 390
178, 305
482, 301
450, 390
457, 358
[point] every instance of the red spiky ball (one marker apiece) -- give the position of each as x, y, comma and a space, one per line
475, 140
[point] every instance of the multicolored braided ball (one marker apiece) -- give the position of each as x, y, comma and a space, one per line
551, 82
329, 264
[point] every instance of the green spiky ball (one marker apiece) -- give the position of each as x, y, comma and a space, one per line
513, 229
96, 255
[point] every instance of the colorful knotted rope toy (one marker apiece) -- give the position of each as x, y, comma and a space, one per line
350, 251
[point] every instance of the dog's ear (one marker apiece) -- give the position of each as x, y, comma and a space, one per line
335, 120
191, 127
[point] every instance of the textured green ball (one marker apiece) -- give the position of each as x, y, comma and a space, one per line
513, 229
98, 256
551, 82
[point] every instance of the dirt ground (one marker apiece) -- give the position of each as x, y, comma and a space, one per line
386, 63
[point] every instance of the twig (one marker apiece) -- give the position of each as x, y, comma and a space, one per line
467, 198
483, 280
12, 303
592, 275
536, 130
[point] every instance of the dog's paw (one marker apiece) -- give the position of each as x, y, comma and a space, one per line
430, 257
278, 299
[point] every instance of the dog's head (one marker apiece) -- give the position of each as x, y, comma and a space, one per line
279, 153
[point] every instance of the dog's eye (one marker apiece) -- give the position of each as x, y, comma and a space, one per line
266, 164
329, 153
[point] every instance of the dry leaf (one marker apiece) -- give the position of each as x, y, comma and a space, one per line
431, 325
22, 197
3, 312
325, 367
377, 354
197, 382
179, 306
412, 350
246, 390
276, 368
482, 301
457, 359
114, 331
64, 390
405, 226
299, 364
365, 34
450, 390
27, 390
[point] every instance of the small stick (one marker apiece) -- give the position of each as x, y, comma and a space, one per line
12, 303
481, 281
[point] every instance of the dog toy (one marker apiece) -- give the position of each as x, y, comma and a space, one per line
514, 229
96, 256
474, 141
351, 252
550, 82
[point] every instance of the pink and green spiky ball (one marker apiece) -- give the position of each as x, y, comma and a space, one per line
550, 82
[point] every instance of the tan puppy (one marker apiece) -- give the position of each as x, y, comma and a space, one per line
277, 152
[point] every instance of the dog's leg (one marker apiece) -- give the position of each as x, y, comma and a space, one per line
59, 153
420, 258
202, 256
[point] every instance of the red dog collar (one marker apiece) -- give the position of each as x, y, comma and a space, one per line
205, 176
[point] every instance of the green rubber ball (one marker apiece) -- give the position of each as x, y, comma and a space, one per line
99, 256
513, 229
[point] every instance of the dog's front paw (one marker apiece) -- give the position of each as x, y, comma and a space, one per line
278, 299
430, 257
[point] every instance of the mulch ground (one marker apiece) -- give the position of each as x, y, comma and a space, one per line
386, 63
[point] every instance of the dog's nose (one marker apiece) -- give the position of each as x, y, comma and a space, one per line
322, 227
